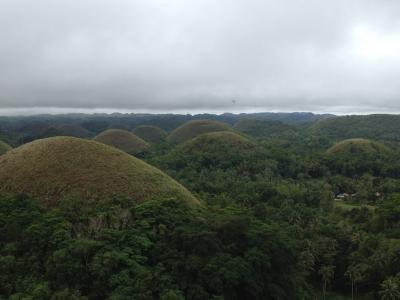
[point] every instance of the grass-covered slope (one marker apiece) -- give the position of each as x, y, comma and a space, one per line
67, 130
377, 127
151, 134
38, 130
4, 148
358, 147
215, 148
60, 167
354, 157
264, 128
123, 140
223, 149
219, 164
195, 128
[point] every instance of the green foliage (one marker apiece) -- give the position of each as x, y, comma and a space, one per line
151, 134
270, 226
4, 148
376, 127
265, 128
359, 156
220, 163
164, 250
65, 130
195, 128
390, 288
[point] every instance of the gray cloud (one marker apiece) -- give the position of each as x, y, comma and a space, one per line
199, 55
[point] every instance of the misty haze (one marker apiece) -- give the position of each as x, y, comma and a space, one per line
337, 56
199, 150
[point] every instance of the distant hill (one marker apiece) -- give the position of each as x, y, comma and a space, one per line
149, 133
4, 148
63, 167
376, 127
294, 118
357, 147
73, 130
123, 140
195, 128
22, 129
353, 157
214, 149
265, 128
219, 164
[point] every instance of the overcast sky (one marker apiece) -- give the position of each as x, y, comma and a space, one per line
339, 56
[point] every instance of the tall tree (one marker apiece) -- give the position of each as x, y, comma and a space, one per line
327, 273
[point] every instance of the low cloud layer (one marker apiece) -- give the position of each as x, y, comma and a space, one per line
192, 55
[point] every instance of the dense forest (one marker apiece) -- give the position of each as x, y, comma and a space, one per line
281, 206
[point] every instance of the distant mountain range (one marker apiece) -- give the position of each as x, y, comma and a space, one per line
18, 130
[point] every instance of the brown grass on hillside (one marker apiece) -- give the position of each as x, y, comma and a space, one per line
195, 128
67, 130
149, 133
123, 140
357, 145
224, 138
62, 167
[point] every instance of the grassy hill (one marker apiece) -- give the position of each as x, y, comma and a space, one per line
123, 140
218, 164
195, 128
377, 127
265, 129
62, 167
149, 133
73, 130
4, 148
353, 157
358, 147
216, 150
216, 146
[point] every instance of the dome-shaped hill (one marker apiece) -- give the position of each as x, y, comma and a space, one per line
149, 133
124, 140
219, 141
358, 147
218, 164
62, 167
195, 128
264, 128
223, 149
4, 148
66, 130
378, 127
354, 157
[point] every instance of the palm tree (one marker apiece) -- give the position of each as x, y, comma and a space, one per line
390, 289
327, 273
356, 274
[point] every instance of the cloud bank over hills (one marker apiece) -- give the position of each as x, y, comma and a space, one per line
175, 55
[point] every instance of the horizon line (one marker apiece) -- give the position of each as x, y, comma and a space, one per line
37, 111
